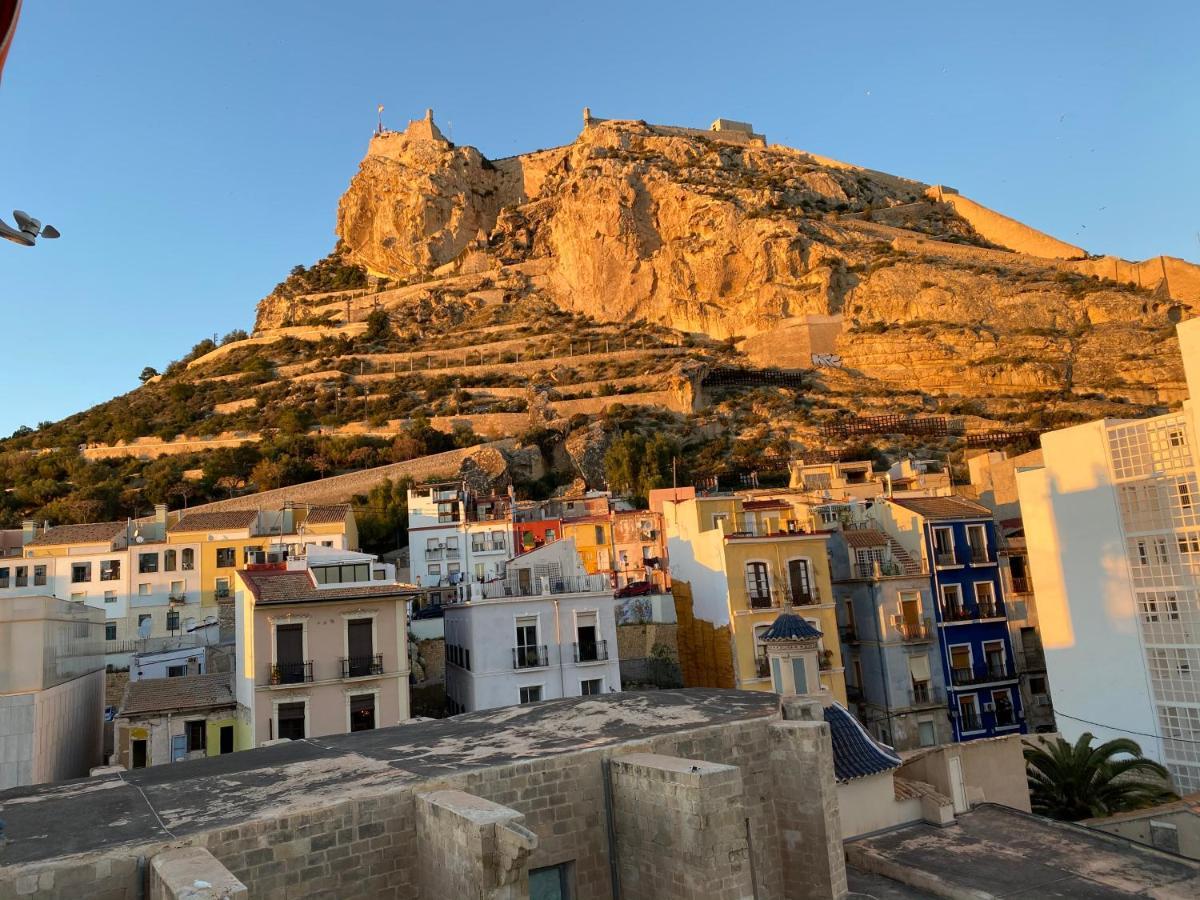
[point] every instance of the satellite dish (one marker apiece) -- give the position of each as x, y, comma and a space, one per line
144, 628
139, 539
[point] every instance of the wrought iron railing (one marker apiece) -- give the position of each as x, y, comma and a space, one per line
292, 673
591, 651
921, 630
530, 656
361, 666
981, 674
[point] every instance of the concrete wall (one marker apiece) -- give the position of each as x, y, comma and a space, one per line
993, 770
1000, 229
869, 804
1175, 828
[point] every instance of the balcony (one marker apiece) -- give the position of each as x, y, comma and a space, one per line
361, 666
971, 613
1021, 585
970, 722
764, 599
595, 651
530, 657
854, 693
921, 630
983, 674
979, 556
887, 568
513, 586
772, 598
489, 546
1005, 717
945, 559
924, 694
762, 667
292, 673
848, 634
825, 660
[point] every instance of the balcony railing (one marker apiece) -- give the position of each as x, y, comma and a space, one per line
1005, 716
361, 666
981, 674
772, 598
530, 657
970, 722
888, 568
487, 546
292, 673
849, 634
594, 651
971, 613
825, 661
979, 555
762, 667
925, 694
764, 599
512, 586
921, 630
945, 558
1021, 585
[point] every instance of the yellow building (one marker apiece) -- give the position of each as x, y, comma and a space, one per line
625, 544
736, 564
231, 539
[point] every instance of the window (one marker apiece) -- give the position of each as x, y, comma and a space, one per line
943, 546
977, 541
144, 617
22, 577
110, 631
985, 599
550, 535
531, 694
362, 713
81, 572
291, 721
177, 588
176, 671
926, 733
79, 595
222, 588
110, 596
360, 646
551, 883
290, 666
758, 584
1003, 709
453, 568
994, 655
588, 647
226, 558
799, 676
719, 518
800, 582
4, 577
188, 559
1037, 684
591, 686
110, 570
348, 572
599, 535
172, 620
479, 571
527, 651
169, 560
144, 589
435, 569
147, 562
968, 714
39, 574
952, 602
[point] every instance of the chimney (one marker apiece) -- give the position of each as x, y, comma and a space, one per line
160, 514
28, 531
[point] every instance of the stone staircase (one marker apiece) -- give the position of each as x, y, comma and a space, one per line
909, 565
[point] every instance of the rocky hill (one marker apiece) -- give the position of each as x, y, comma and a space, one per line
612, 284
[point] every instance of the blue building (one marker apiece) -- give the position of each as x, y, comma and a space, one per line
957, 540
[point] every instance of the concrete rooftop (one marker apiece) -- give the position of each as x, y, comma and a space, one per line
172, 801
995, 851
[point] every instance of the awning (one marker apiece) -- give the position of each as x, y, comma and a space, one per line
918, 667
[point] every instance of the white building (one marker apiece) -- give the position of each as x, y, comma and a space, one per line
544, 631
454, 535
172, 663
1112, 524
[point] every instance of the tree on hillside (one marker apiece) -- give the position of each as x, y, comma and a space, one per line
238, 334
1078, 781
148, 373
636, 465
382, 516
379, 327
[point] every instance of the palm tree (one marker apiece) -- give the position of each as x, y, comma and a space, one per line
1078, 781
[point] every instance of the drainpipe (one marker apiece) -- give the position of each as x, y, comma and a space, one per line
877, 596
562, 678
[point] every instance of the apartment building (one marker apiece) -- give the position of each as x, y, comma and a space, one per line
1112, 527
859, 478
167, 720
322, 645
623, 543
547, 629
956, 542
888, 626
454, 535
735, 564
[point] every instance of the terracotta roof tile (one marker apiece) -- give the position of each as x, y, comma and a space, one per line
282, 586
91, 533
154, 695
327, 515
216, 521
865, 537
944, 507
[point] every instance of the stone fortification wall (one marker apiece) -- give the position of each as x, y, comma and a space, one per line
766, 788
1179, 278
1000, 229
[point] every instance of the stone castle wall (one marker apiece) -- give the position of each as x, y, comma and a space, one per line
1000, 229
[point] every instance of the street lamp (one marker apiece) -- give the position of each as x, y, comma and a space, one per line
28, 230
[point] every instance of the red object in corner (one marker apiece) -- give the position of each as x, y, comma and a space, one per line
9, 10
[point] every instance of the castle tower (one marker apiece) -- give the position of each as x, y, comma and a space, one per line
792, 654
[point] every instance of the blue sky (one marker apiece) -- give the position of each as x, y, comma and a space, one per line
192, 153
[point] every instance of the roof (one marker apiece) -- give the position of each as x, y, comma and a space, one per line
216, 521
130, 809
865, 537
790, 627
327, 515
907, 789
855, 753
1188, 803
91, 533
766, 504
297, 586
943, 507
154, 695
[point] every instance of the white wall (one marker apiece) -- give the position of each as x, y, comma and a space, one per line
869, 804
698, 557
1085, 598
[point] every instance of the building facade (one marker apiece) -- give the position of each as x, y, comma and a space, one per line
51, 690
546, 630
322, 645
957, 543
888, 624
735, 564
1112, 526
455, 536
168, 720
